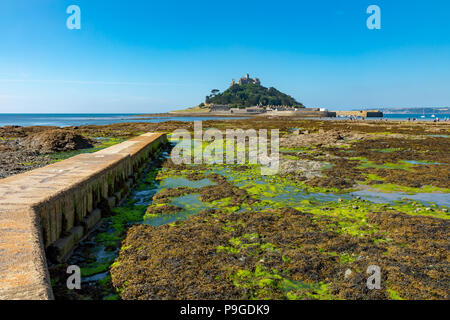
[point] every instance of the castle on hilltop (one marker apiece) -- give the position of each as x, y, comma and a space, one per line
246, 80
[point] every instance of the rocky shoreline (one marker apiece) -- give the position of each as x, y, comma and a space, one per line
27, 148
302, 234
26, 152
225, 232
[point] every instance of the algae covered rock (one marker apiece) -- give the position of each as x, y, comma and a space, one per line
157, 209
56, 141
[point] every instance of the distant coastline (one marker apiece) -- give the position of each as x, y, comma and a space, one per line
429, 110
69, 120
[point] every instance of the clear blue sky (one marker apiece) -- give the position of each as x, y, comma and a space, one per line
154, 56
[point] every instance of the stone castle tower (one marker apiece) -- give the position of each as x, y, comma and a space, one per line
246, 80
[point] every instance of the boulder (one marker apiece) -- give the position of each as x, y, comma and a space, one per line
58, 140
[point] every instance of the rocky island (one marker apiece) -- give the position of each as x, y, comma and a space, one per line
248, 97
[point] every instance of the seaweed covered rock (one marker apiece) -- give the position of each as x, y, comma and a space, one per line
162, 209
164, 195
56, 141
323, 138
213, 255
224, 189
283, 254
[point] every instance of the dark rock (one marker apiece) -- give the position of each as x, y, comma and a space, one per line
56, 141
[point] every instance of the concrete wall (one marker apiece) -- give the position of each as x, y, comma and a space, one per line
45, 212
361, 113
299, 113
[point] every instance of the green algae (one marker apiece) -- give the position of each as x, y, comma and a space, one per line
297, 290
122, 216
310, 189
239, 244
279, 192
148, 181
190, 204
346, 216
394, 295
120, 219
387, 150
28, 163
382, 186
379, 184
269, 186
350, 216
289, 157
388, 165
231, 226
372, 177
362, 159
416, 208
95, 268
262, 283
344, 258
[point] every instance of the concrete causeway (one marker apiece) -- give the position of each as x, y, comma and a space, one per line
45, 212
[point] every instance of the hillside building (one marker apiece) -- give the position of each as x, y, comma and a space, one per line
246, 80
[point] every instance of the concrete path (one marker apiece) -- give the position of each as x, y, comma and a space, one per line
23, 266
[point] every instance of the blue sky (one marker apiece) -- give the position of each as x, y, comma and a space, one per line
154, 56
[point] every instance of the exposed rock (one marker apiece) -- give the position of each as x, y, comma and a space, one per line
165, 195
348, 273
15, 159
164, 209
323, 138
305, 168
56, 141
202, 258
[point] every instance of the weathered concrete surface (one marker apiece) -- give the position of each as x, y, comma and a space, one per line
40, 207
91, 220
300, 114
64, 246
23, 268
361, 113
